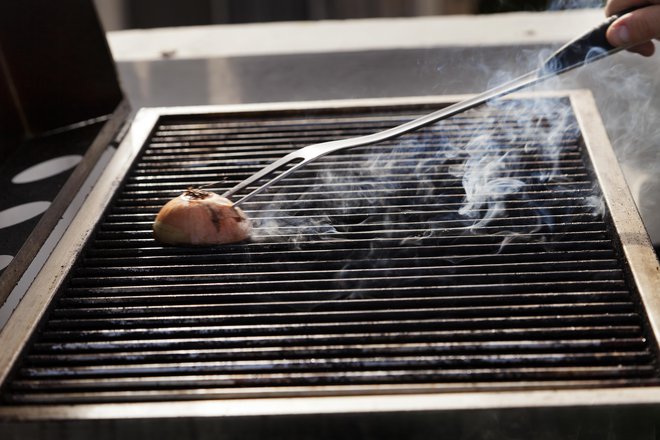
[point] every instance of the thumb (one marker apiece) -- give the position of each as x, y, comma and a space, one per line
635, 27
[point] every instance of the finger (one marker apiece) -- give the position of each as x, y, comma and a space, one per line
615, 6
635, 27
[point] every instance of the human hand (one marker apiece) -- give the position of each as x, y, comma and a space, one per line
637, 28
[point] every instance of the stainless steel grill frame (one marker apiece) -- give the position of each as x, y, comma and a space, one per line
634, 243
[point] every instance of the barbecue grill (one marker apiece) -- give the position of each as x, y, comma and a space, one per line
490, 267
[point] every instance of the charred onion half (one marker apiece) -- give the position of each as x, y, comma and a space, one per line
199, 217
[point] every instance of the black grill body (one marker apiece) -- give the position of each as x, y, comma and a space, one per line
473, 255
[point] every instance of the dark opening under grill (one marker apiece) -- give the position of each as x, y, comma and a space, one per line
471, 254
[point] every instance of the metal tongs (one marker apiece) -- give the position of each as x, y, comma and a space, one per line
584, 49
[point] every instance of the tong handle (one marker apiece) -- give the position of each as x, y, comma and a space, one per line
586, 48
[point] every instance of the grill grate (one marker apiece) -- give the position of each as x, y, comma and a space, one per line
473, 253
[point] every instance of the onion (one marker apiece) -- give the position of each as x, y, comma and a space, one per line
199, 217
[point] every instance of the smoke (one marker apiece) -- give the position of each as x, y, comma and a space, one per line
457, 177
626, 88
485, 180
627, 92
356, 190
498, 175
